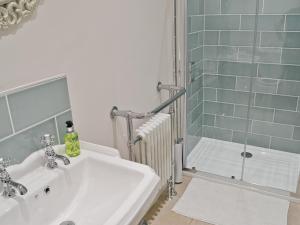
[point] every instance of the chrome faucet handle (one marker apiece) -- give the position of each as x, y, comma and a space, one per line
4, 175
47, 139
4, 163
9, 185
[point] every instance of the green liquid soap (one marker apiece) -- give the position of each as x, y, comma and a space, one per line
71, 141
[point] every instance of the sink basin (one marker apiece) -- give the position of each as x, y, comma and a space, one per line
97, 188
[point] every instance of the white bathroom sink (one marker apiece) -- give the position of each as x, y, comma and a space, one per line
97, 188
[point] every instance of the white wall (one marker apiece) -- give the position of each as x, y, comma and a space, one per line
114, 52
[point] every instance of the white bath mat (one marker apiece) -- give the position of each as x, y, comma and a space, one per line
221, 204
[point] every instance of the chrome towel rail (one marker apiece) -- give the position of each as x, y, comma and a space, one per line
175, 93
127, 113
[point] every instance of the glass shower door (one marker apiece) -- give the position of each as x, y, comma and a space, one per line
220, 68
273, 137
243, 90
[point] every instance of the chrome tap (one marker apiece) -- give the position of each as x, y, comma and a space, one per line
48, 140
9, 186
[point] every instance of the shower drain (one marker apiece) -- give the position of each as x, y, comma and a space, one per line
246, 154
67, 223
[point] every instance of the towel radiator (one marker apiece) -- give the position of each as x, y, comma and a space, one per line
175, 108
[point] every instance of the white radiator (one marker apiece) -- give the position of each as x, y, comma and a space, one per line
155, 147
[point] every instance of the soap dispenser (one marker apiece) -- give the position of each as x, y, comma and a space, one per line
71, 141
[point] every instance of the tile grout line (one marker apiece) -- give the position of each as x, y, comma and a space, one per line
277, 87
33, 84
256, 106
260, 39
247, 46
284, 24
247, 62
248, 30
297, 107
252, 133
253, 14
265, 135
274, 112
10, 116
34, 125
247, 92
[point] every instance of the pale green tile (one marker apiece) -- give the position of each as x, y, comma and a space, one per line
285, 145
209, 120
189, 24
5, 128
23, 144
289, 88
262, 55
197, 112
210, 94
252, 139
223, 22
217, 133
218, 108
272, 129
197, 54
237, 38
231, 123
257, 113
39, 103
196, 70
197, 23
296, 135
276, 101
266, 86
220, 53
293, 23
196, 85
219, 81
211, 38
210, 67
188, 90
285, 72
201, 38
240, 6
236, 97
61, 124
287, 117
192, 41
200, 95
212, 7
280, 39
291, 56
192, 102
265, 22
199, 132
195, 7
195, 126
237, 68
281, 7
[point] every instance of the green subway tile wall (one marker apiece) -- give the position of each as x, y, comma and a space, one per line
226, 71
30, 112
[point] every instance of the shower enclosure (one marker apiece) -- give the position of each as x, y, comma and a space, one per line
243, 91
